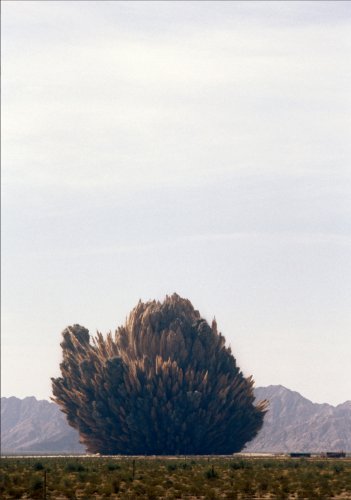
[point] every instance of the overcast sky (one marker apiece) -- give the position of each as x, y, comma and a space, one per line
201, 148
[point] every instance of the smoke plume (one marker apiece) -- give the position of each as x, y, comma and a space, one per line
165, 383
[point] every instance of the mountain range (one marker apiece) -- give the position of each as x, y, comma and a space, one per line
292, 423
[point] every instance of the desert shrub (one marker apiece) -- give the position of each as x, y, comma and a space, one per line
90, 489
38, 466
172, 467
248, 489
151, 493
139, 489
36, 487
115, 486
16, 479
294, 464
82, 477
112, 466
268, 465
211, 473
36, 483
16, 492
211, 494
320, 465
74, 467
106, 490
235, 465
240, 464
338, 468
285, 486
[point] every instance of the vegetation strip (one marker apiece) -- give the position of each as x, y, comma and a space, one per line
174, 477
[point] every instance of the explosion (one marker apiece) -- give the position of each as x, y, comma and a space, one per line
163, 384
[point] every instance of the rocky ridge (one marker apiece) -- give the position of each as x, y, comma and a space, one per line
292, 423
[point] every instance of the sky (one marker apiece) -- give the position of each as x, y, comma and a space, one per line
201, 148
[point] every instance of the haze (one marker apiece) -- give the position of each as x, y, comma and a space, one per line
201, 148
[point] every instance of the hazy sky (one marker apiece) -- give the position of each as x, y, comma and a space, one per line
201, 148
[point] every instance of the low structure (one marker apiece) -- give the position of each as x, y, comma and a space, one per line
300, 455
335, 454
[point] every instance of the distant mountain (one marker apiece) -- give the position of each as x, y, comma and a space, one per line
292, 423
29, 425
